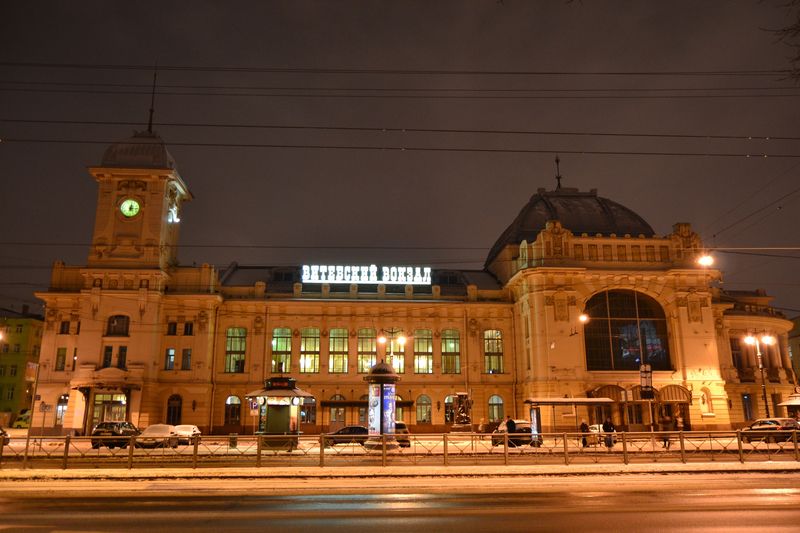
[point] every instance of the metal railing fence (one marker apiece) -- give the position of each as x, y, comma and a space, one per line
420, 449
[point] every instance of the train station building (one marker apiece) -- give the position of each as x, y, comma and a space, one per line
577, 293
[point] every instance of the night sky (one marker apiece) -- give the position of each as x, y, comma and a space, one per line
480, 67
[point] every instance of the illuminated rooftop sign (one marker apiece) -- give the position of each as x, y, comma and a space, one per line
367, 274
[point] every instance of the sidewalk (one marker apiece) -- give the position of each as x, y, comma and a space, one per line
404, 472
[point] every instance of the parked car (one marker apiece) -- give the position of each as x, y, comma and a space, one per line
522, 436
103, 433
401, 434
4, 437
770, 430
186, 433
347, 435
23, 420
158, 436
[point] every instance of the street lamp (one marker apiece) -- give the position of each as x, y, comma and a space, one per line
392, 333
767, 340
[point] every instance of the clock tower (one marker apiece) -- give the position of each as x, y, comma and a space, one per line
139, 200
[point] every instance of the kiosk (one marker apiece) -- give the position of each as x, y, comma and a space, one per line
278, 409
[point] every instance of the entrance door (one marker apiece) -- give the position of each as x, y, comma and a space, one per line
109, 408
174, 405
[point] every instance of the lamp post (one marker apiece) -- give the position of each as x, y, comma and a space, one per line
767, 340
392, 332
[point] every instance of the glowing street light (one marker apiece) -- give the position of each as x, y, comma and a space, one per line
767, 340
583, 318
705, 260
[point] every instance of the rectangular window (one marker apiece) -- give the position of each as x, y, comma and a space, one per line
397, 354
423, 351
235, 348
650, 252
337, 351
622, 254
2, 370
108, 353
592, 252
63, 328
578, 252
16, 348
747, 407
12, 371
451, 352
309, 350
281, 350
5, 348
188, 329
607, 252
19, 328
636, 253
493, 351
634, 413
169, 359
74, 358
664, 253
61, 359
78, 328
122, 357
186, 359
736, 353
10, 392
172, 328
367, 350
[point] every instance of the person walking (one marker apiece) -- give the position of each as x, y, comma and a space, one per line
584, 428
665, 426
608, 430
511, 426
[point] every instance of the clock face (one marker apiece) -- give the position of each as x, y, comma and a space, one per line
129, 208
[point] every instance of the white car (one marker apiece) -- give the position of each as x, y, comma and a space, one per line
157, 436
186, 433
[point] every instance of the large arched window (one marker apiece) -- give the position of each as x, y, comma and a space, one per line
424, 410
625, 329
233, 411
495, 408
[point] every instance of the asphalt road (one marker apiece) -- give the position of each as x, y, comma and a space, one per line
745, 502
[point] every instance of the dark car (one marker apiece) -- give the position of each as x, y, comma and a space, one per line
103, 434
521, 437
770, 430
4, 437
401, 434
347, 435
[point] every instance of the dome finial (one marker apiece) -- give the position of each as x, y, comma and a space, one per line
152, 99
558, 174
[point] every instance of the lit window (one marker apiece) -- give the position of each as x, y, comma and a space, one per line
367, 350
495, 408
337, 351
424, 410
309, 350
451, 351
169, 359
235, 348
281, 350
423, 351
493, 351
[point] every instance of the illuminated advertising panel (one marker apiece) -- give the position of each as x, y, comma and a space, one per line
388, 408
366, 274
374, 409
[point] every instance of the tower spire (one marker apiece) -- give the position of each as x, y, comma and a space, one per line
152, 99
558, 174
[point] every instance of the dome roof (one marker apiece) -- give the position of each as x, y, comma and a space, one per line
144, 150
579, 212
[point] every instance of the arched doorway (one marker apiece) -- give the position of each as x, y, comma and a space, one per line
673, 401
174, 407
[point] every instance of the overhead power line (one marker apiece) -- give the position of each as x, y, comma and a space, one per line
91, 84
451, 72
406, 130
366, 95
396, 148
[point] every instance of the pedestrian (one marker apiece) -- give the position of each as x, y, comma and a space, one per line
609, 429
511, 426
665, 426
679, 423
584, 428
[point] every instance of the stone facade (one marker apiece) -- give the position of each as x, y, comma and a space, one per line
158, 342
